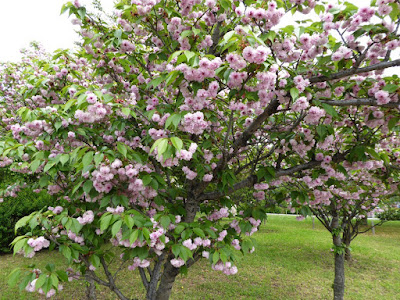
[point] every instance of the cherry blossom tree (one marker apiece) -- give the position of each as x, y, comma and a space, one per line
171, 106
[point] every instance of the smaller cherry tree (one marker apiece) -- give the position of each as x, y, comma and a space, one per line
343, 203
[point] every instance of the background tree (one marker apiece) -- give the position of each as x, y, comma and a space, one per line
169, 107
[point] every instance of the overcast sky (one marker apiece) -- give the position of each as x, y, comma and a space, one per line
23, 21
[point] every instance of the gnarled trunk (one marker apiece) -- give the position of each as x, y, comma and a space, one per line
169, 273
167, 281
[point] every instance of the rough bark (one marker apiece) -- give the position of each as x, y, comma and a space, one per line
167, 281
347, 254
338, 284
170, 272
90, 289
154, 278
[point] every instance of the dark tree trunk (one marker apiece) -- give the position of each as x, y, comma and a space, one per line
90, 289
167, 281
347, 241
163, 292
347, 254
151, 285
338, 284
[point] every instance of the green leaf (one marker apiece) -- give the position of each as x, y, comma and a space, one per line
116, 227
62, 275
82, 12
146, 232
393, 122
95, 260
173, 55
373, 153
391, 88
294, 92
87, 186
199, 232
177, 142
133, 237
395, 11
189, 54
185, 253
215, 257
226, 4
105, 221
121, 147
186, 33
69, 104
176, 249
98, 158
174, 120
64, 158
65, 7
319, 9
165, 221
129, 221
49, 165
54, 280
171, 77
50, 267
330, 109
179, 228
228, 36
156, 81
66, 252
22, 222
87, 158
161, 145
35, 165
14, 277
126, 111
322, 132
118, 33
223, 257
146, 179
41, 280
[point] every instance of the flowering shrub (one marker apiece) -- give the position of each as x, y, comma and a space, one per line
169, 107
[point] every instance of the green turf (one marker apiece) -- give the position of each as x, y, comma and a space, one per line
292, 261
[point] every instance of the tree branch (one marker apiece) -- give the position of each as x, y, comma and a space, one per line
111, 281
252, 179
353, 71
215, 38
359, 102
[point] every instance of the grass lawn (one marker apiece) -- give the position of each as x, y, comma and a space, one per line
292, 261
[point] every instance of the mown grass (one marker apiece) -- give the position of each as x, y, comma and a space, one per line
292, 261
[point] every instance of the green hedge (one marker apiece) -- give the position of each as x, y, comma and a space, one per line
392, 214
13, 209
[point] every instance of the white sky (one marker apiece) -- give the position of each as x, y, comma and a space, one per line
23, 21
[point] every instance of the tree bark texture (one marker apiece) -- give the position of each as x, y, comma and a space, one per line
90, 289
169, 273
338, 284
167, 281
